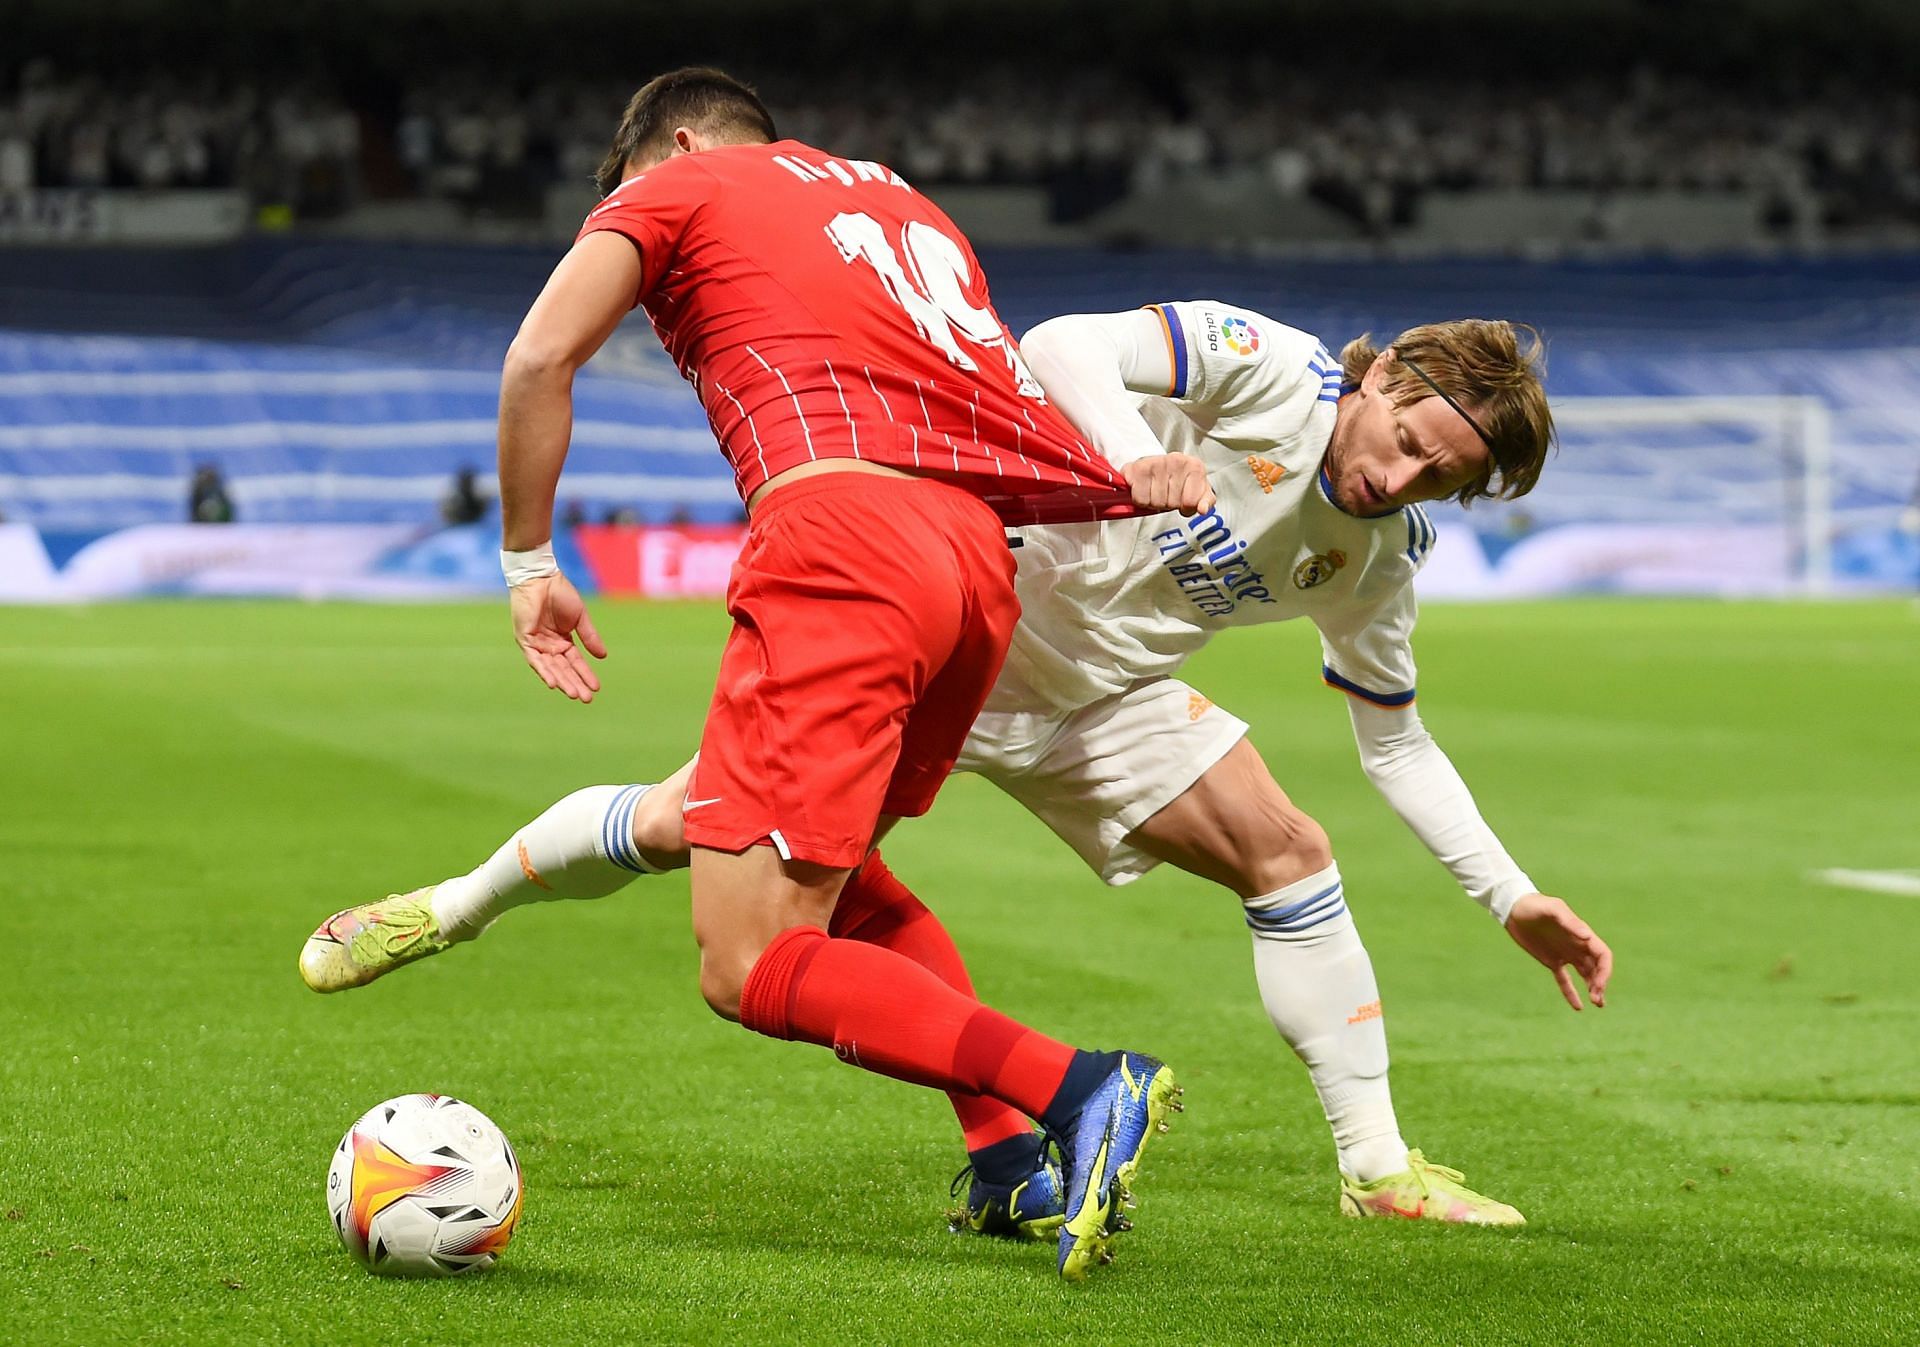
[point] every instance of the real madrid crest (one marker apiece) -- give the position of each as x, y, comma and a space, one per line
1318, 568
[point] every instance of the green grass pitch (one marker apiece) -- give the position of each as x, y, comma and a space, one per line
1726, 1153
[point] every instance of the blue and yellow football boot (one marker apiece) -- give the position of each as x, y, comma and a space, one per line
1102, 1157
1030, 1209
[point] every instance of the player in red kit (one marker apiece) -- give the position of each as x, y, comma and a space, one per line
882, 428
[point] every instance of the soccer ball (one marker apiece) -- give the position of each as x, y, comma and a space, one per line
424, 1185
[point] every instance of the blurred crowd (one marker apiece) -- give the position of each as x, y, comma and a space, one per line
1370, 149
286, 143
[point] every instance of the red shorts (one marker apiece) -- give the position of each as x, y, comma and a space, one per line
871, 616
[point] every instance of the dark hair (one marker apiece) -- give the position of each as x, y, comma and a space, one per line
700, 97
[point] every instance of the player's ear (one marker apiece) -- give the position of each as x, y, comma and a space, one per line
1376, 372
685, 140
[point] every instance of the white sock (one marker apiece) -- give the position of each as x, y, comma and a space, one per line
1317, 984
582, 847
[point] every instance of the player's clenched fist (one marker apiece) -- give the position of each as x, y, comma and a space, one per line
1170, 482
547, 611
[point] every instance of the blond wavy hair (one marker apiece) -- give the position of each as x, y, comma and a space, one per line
1491, 367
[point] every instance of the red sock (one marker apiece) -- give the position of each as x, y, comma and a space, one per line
884, 1012
877, 909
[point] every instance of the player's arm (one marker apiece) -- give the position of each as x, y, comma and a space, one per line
583, 302
1425, 789
1090, 365
1369, 656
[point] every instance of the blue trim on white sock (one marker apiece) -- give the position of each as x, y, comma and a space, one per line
1290, 919
616, 831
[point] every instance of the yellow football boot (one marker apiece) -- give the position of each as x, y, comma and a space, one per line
353, 947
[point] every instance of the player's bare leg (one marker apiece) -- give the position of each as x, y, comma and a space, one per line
767, 961
1236, 827
742, 903
659, 822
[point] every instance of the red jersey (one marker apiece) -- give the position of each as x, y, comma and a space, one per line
822, 308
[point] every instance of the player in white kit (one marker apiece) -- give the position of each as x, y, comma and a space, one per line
1318, 468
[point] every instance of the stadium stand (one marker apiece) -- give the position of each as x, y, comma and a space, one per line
1839, 152
348, 383
334, 376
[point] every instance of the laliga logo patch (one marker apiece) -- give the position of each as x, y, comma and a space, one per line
1241, 337
1318, 568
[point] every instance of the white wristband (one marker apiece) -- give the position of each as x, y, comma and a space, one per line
520, 567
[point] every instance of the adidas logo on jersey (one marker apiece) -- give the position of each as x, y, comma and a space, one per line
1266, 472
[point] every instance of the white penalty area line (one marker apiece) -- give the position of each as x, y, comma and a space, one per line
1904, 883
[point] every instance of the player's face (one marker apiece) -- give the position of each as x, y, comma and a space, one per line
1382, 456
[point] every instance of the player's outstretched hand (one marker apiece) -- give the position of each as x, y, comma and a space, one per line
547, 612
1170, 482
1553, 933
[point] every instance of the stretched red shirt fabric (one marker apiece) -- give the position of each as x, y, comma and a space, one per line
822, 308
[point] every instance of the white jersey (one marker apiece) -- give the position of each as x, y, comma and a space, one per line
1085, 727
1107, 605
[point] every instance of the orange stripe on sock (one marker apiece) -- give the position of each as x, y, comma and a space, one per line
526, 868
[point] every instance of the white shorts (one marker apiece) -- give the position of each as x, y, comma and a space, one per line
1094, 773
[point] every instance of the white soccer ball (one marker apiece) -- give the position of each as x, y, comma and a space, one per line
424, 1185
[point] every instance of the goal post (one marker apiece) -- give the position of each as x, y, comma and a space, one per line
1759, 467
